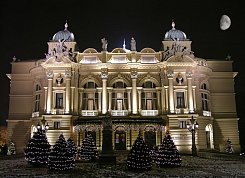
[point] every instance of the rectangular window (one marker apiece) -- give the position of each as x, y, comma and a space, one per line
148, 104
59, 101
37, 103
56, 125
204, 101
119, 105
180, 99
182, 124
90, 104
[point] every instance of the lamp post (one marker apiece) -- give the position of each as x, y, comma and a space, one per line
193, 128
44, 127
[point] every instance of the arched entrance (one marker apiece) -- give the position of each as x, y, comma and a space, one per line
150, 136
120, 138
209, 136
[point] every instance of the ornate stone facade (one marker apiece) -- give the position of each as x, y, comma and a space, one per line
140, 91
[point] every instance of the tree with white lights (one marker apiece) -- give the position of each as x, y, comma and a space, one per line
60, 159
167, 154
37, 149
88, 151
139, 157
72, 148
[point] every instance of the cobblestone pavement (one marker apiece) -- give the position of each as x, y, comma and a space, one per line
16, 166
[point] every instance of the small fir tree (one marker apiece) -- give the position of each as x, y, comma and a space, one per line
167, 154
60, 159
139, 157
72, 148
37, 149
88, 151
228, 148
11, 148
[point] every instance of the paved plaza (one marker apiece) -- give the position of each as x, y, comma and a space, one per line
218, 165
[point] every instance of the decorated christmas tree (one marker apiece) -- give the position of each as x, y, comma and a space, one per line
167, 154
228, 147
72, 148
60, 159
139, 157
37, 149
88, 151
11, 148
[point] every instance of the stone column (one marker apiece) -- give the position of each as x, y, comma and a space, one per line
129, 99
171, 92
81, 100
104, 76
50, 76
166, 98
189, 90
194, 98
99, 99
134, 90
68, 91
110, 99
158, 100
72, 98
45, 99
139, 100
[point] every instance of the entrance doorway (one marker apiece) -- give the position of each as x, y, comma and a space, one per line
150, 138
120, 140
209, 136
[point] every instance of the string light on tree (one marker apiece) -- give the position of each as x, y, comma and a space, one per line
139, 157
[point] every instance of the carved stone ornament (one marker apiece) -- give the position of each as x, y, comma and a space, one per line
170, 74
68, 74
104, 73
189, 74
59, 80
179, 79
134, 73
50, 74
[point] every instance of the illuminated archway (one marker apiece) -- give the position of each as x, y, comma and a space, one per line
209, 136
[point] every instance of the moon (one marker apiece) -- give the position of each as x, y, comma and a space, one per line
225, 22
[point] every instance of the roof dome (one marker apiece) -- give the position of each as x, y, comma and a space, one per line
64, 35
175, 34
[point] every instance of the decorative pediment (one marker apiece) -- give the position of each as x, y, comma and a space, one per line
119, 59
180, 60
57, 61
90, 59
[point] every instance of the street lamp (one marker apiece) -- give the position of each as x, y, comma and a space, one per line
44, 127
193, 128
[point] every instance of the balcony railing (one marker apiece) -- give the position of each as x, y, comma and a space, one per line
89, 113
58, 111
181, 111
206, 113
149, 112
119, 112
35, 114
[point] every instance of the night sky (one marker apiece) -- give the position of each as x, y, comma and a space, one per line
27, 26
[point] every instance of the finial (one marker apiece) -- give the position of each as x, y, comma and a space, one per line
66, 25
173, 24
124, 45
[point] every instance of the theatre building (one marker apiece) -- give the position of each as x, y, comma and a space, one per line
137, 90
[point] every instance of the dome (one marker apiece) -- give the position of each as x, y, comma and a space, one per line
64, 35
175, 34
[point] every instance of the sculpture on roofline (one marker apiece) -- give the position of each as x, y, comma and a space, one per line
104, 44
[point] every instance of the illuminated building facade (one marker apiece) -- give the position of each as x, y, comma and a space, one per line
140, 91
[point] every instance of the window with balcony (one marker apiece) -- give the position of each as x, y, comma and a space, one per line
59, 101
180, 97
90, 101
119, 101
148, 96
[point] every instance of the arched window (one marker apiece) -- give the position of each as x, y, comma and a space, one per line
90, 96
119, 97
149, 96
90, 84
